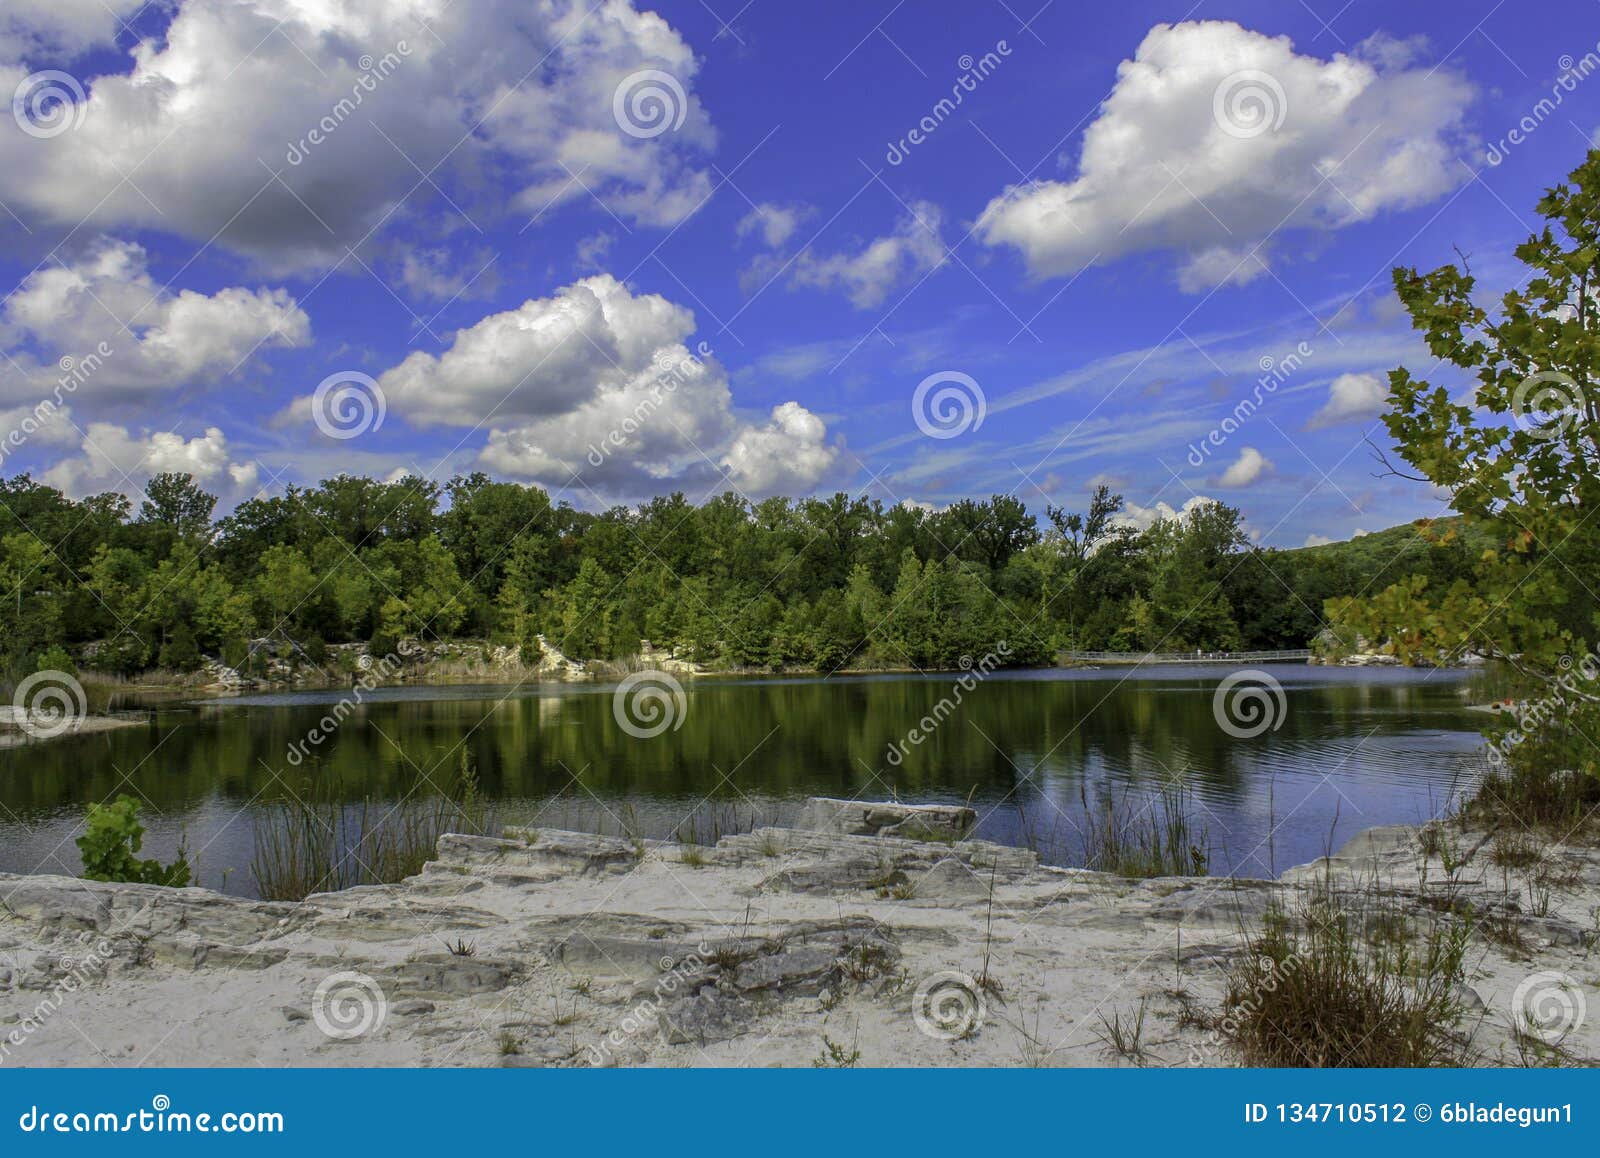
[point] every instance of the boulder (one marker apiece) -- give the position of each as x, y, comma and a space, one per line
948, 822
706, 1017
949, 880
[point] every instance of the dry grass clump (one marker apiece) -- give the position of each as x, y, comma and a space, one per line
1157, 839
1532, 794
1340, 984
316, 842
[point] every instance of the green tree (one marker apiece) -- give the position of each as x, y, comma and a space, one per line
177, 502
1520, 458
282, 585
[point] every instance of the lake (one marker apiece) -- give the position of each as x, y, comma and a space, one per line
1030, 750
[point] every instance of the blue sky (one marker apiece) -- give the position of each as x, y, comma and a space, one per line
619, 251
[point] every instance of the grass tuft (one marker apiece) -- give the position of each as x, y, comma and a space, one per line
1160, 839
1314, 989
317, 842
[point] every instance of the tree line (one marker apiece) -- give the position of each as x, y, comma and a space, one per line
819, 583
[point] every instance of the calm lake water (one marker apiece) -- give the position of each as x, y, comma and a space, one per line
1356, 748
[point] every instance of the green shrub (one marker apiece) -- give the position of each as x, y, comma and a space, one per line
55, 658
382, 644
180, 652
112, 836
125, 655
235, 652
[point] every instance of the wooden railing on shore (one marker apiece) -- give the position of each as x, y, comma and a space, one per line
1241, 658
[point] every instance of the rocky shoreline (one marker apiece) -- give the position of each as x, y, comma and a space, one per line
869, 934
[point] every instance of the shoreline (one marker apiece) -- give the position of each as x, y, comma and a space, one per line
509, 677
545, 947
82, 726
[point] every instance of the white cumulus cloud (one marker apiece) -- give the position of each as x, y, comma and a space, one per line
1351, 396
868, 275
115, 458
157, 339
1216, 137
44, 29
595, 389
1143, 518
348, 102
1245, 469
774, 223
785, 455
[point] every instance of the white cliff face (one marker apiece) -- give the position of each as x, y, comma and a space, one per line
553, 663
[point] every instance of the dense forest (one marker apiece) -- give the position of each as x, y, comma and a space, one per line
818, 583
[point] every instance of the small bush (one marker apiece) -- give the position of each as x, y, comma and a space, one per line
112, 836
236, 652
55, 658
125, 656
382, 644
180, 652
1526, 792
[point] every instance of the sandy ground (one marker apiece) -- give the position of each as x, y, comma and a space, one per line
779, 947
